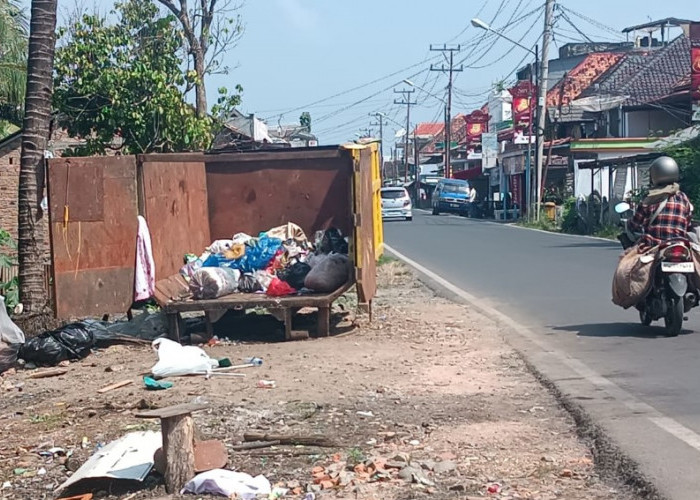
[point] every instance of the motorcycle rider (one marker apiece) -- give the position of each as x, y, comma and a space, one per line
659, 223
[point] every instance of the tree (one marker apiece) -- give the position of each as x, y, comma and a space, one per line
13, 64
35, 136
687, 155
125, 80
305, 120
209, 28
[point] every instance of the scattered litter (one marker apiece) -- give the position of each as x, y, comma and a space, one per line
41, 472
414, 442
176, 360
228, 483
494, 489
267, 384
117, 385
6, 484
254, 361
129, 457
367, 414
156, 385
48, 373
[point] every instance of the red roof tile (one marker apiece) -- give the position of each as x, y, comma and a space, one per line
581, 77
428, 128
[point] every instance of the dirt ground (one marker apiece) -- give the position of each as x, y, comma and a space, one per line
426, 401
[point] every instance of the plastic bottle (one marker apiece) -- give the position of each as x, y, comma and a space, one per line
254, 361
267, 384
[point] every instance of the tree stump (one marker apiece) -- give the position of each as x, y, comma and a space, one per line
177, 428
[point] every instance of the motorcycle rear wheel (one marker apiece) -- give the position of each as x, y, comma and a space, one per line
674, 317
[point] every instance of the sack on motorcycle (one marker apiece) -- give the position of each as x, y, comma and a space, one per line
632, 278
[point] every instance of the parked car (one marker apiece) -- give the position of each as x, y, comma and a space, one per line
450, 196
396, 204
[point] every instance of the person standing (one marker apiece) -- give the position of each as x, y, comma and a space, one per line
473, 198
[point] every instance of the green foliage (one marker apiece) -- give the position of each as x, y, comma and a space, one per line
125, 80
569, 218
13, 62
608, 232
305, 120
226, 103
688, 157
8, 289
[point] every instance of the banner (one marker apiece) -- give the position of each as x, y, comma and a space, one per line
477, 123
695, 69
524, 96
489, 149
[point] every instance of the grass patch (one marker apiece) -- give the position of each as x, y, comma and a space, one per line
48, 421
385, 259
607, 232
543, 224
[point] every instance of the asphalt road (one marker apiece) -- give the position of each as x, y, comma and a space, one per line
559, 287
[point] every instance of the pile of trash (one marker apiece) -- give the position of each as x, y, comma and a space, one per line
73, 341
278, 262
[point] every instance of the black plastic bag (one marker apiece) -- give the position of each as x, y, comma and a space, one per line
333, 241
72, 341
249, 284
295, 274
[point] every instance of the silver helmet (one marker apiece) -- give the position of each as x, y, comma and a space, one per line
663, 171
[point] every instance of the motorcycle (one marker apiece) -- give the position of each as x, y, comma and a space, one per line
672, 293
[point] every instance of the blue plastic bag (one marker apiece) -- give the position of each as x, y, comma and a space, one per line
258, 255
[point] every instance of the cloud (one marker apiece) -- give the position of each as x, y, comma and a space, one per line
298, 14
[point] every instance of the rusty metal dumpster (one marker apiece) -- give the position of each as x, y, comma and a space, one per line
191, 199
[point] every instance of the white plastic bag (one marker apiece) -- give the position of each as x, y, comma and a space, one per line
175, 360
9, 332
220, 246
214, 282
229, 484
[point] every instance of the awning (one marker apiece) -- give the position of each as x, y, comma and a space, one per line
469, 174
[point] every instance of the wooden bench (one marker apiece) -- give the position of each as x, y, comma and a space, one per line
174, 297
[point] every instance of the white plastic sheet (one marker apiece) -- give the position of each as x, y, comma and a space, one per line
9, 332
175, 360
228, 483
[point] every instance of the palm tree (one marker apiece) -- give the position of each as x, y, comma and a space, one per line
13, 64
35, 136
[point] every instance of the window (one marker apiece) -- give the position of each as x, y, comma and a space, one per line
394, 194
455, 188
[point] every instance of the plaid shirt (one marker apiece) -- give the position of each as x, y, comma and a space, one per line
671, 224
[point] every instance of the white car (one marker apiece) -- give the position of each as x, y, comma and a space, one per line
396, 204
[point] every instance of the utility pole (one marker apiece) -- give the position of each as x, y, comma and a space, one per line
448, 108
542, 99
406, 101
381, 143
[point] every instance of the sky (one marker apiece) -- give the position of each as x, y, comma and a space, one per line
296, 55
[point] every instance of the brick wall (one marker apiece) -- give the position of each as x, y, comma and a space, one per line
9, 183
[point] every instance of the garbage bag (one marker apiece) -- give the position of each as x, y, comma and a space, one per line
9, 332
264, 278
328, 273
145, 326
249, 284
8, 355
295, 274
228, 483
72, 341
331, 240
279, 288
175, 360
214, 282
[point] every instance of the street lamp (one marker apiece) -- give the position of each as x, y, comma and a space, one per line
478, 23
447, 124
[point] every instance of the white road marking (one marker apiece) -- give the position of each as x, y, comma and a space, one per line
663, 422
513, 225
